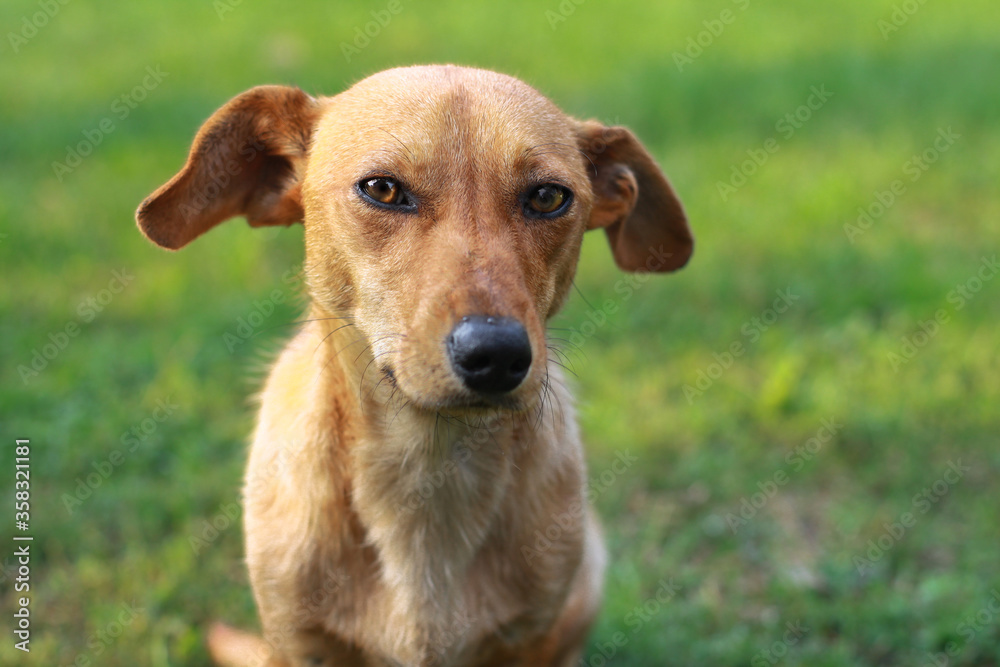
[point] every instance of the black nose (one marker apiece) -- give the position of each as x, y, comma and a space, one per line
492, 355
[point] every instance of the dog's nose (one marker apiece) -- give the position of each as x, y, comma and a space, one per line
492, 355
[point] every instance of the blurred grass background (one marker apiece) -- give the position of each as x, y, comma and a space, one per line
116, 581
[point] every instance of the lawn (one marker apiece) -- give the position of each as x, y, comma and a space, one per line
810, 407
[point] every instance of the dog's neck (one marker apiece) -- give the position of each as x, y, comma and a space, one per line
426, 487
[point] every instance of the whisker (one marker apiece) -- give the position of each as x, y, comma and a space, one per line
558, 351
389, 402
562, 415
565, 340
545, 396
563, 366
405, 404
371, 394
293, 323
323, 340
363, 350
322, 319
574, 349
585, 299
409, 154
371, 343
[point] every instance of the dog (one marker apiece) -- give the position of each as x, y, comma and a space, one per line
416, 488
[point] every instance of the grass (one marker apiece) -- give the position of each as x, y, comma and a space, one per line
115, 578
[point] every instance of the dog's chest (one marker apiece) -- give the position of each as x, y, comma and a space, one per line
429, 496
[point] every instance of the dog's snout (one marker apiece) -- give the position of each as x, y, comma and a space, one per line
492, 355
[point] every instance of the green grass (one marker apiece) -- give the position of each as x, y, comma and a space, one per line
699, 455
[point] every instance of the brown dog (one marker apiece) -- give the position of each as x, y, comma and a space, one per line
416, 439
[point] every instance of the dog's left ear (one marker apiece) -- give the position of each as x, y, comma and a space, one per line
633, 202
247, 160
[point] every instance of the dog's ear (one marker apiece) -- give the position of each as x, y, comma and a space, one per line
633, 202
247, 159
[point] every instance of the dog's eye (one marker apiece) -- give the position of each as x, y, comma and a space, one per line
383, 191
548, 200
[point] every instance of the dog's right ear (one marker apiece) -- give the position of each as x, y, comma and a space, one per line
248, 159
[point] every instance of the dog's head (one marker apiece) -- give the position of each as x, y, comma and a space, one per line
444, 209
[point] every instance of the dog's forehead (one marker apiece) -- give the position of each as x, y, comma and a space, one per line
439, 108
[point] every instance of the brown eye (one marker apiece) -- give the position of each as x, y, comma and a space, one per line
382, 190
548, 200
